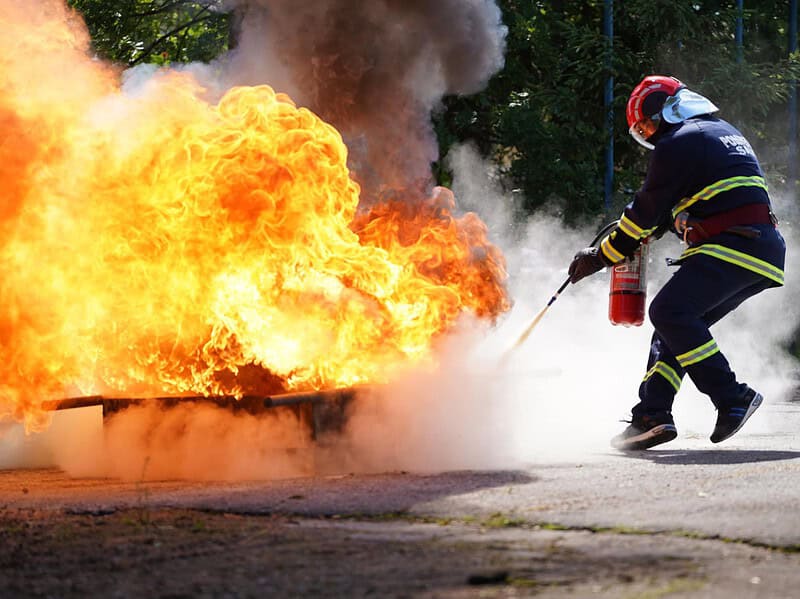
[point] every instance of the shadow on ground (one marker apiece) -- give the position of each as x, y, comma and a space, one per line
51, 489
712, 456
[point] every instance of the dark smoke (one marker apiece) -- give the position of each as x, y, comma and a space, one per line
375, 69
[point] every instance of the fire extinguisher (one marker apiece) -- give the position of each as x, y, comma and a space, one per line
628, 289
628, 293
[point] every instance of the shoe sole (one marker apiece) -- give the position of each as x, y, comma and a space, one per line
754, 405
655, 436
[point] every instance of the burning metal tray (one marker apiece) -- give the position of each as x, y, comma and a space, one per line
323, 411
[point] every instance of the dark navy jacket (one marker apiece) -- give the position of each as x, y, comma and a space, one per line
703, 166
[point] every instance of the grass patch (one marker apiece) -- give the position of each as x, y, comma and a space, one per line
679, 585
499, 520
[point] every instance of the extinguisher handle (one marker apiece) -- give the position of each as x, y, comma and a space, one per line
604, 231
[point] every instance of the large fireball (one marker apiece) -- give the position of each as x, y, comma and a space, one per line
158, 244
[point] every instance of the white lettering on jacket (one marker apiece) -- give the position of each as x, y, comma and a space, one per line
738, 143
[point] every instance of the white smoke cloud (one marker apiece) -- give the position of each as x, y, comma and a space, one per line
562, 394
147, 442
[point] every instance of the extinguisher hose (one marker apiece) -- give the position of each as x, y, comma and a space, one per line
529, 329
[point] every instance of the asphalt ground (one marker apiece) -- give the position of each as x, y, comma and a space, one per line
689, 520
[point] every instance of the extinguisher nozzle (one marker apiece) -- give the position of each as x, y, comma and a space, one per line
526, 333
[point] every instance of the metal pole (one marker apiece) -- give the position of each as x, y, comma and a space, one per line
792, 175
739, 30
608, 31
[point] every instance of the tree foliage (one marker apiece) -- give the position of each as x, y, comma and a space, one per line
542, 118
155, 31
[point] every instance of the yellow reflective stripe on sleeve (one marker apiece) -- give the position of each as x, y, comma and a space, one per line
739, 259
610, 251
648, 232
698, 354
667, 372
630, 228
716, 188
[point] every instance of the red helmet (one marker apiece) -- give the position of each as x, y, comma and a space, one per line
645, 103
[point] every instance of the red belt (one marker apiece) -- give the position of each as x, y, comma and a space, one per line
749, 214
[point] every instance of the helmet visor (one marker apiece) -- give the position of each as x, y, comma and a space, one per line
644, 129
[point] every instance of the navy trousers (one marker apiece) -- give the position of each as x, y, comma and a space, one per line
700, 293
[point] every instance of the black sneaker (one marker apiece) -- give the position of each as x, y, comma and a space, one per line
644, 432
731, 418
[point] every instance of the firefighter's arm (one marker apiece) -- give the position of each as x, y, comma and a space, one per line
649, 214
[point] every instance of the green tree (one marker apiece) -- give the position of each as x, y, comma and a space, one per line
542, 118
155, 31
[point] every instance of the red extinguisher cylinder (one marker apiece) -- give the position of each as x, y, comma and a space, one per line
628, 293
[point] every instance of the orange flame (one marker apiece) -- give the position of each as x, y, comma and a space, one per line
159, 244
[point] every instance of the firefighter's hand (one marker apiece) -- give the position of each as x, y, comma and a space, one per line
585, 263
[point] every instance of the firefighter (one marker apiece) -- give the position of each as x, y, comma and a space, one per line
705, 184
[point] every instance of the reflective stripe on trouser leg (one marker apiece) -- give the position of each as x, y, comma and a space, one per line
711, 374
667, 372
661, 382
708, 369
698, 354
